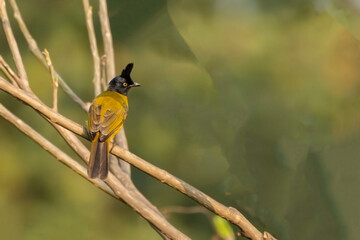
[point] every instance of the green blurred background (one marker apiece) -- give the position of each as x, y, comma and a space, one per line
256, 103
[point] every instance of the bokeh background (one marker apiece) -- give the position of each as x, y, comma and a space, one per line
256, 103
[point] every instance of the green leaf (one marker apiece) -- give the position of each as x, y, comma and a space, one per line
223, 228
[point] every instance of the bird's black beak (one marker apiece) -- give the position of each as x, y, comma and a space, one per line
135, 85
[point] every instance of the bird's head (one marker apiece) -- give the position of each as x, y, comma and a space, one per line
123, 83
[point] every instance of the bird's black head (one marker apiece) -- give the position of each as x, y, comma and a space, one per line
123, 83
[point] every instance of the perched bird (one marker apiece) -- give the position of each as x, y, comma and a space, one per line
106, 117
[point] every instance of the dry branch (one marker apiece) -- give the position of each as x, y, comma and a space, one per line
93, 46
9, 73
107, 39
23, 83
54, 79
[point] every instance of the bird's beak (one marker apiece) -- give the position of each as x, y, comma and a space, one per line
135, 85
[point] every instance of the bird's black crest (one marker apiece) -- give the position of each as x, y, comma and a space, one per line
123, 83
126, 72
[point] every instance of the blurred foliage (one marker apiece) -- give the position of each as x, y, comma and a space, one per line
223, 228
254, 102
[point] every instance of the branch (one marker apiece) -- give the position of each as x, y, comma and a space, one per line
93, 47
55, 80
6, 69
23, 83
107, 39
103, 72
229, 213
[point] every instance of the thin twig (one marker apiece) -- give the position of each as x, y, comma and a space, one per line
103, 72
229, 213
93, 46
36, 51
184, 210
23, 83
107, 39
6, 69
55, 80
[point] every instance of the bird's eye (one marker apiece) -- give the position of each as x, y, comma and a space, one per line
125, 84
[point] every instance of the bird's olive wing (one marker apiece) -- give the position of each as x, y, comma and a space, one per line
111, 123
94, 119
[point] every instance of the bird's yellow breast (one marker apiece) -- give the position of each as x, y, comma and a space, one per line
108, 113
110, 100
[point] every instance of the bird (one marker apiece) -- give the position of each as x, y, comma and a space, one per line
107, 114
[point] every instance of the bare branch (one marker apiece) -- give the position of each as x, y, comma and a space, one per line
229, 213
24, 84
55, 80
107, 39
103, 72
120, 140
93, 46
6, 69
184, 210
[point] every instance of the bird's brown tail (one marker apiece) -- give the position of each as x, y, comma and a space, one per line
98, 162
